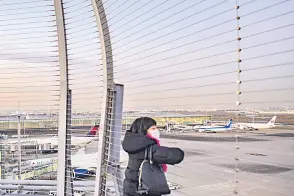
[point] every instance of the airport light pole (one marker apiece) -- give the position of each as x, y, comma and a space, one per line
23, 125
2, 161
19, 146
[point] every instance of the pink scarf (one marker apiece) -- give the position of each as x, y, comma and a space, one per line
164, 166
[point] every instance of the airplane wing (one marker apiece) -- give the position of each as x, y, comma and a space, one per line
78, 160
245, 126
90, 136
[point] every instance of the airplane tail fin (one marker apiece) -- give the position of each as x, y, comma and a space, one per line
93, 130
229, 124
272, 121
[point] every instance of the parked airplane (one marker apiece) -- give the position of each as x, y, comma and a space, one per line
256, 126
93, 131
75, 140
39, 162
22, 136
214, 129
3, 137
172, 127
81, 168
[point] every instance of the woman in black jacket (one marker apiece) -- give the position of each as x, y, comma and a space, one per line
142, 134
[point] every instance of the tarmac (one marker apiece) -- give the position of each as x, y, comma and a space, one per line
262, 166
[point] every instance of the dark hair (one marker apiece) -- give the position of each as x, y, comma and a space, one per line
141, 125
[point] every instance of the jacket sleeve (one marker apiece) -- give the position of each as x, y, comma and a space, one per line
166, 155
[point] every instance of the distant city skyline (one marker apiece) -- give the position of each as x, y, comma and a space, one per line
273, 109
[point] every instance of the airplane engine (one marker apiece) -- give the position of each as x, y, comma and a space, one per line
80, 173
242, 127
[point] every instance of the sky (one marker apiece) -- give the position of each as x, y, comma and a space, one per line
169, 54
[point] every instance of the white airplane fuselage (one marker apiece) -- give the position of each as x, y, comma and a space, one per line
268, 125
75, 140
256, 125
54, 140
214, 129
224, 128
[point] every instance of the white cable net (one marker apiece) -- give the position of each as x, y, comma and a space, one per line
86, 83
192, 66
217, 76
29, 94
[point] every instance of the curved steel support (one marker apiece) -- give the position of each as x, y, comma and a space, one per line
63, 104
105, 42
106, 111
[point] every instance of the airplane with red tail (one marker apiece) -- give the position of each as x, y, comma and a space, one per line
94, 131
75, 140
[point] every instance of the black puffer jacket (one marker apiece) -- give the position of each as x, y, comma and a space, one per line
135, 144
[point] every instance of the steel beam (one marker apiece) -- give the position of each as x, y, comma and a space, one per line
106, 111
115, 140
41, 188
68, 169
105, 42
45, 182
63, 68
